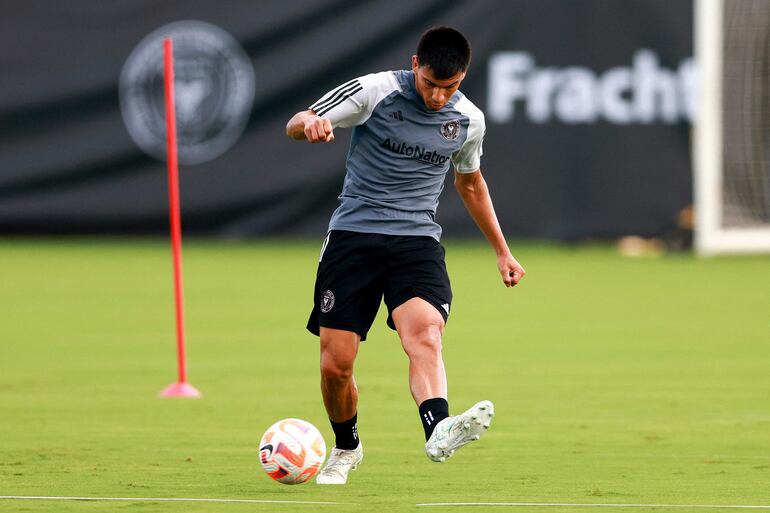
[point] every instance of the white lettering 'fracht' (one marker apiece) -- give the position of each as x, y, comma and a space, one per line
643, 93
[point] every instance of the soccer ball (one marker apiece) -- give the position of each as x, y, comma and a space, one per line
291, 451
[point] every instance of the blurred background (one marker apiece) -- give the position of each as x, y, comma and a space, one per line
588, 106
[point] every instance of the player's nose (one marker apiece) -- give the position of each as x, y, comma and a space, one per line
438, 98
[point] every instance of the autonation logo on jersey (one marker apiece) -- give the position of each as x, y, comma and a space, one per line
642, 93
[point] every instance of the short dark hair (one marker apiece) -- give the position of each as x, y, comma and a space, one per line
446, 51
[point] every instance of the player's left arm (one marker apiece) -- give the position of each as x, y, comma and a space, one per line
475, 195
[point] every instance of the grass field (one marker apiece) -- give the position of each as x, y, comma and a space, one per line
616, 381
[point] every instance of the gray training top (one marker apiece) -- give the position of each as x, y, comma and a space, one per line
399, 152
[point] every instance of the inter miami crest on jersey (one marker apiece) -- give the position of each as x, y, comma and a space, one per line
450, 129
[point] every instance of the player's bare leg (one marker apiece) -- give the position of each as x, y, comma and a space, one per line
420, 327
340, 394
338, 387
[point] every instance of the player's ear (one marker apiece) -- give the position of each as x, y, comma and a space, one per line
415, 63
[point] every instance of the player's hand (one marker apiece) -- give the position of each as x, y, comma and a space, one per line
318, 129
511, 270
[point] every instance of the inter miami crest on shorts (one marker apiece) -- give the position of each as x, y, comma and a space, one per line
327, 301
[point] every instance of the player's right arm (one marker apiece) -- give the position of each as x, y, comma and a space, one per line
347, 105
309, 126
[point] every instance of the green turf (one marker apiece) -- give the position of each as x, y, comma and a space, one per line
615, 380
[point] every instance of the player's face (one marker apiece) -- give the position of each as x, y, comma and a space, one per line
435, 92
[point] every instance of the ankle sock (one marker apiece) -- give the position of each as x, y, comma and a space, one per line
433, 411
346, 433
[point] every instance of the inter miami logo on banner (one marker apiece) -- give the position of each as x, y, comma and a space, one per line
214, 82
451, 129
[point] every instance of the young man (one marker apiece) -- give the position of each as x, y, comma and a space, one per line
383, 240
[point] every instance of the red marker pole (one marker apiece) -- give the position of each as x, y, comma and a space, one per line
181, 388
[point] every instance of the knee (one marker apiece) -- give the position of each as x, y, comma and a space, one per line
335, 367
424, 340
332, 370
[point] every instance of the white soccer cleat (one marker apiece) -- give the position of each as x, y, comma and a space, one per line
339, 464
453, 432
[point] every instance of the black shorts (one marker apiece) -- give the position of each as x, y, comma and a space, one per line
356, 270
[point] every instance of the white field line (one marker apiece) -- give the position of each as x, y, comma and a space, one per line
582, 505
428, 504
163, 499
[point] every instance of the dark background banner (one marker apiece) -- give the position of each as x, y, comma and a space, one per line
588, 108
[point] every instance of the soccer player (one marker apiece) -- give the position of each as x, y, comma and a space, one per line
383, 240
